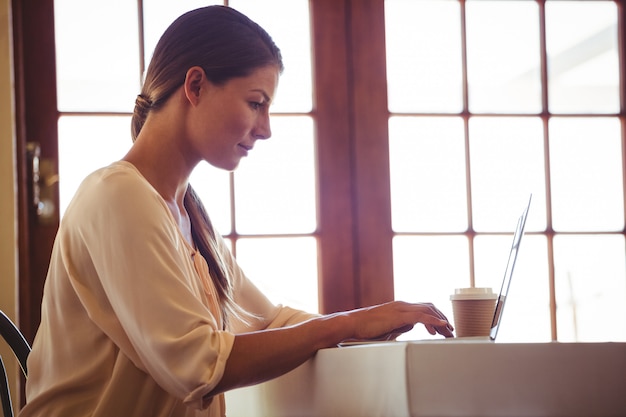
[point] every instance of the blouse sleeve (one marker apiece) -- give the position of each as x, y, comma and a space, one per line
133, 272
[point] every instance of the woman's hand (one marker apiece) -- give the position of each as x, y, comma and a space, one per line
387, 321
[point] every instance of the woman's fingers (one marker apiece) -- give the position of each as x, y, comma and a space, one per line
443, 327
445, 331
435, 311
433, 319
394, 318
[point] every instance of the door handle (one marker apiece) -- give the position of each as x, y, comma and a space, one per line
43, 180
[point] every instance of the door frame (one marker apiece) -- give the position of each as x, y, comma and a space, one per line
36, 121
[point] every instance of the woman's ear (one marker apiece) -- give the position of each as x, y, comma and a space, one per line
194, 80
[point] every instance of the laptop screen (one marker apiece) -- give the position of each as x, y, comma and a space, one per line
508, 273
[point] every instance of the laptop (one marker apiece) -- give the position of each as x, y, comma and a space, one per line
502, 296
508, 273
504, 288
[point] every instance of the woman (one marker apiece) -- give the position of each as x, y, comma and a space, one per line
145, 311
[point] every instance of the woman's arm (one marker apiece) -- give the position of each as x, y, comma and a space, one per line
259, 356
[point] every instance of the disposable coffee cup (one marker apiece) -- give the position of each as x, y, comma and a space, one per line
473, 310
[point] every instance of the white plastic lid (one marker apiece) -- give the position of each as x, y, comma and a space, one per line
479, 293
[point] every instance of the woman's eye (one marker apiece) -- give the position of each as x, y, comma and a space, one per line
256, 105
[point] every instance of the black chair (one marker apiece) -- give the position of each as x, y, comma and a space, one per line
21, 349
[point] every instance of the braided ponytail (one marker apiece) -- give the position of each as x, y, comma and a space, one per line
142, 107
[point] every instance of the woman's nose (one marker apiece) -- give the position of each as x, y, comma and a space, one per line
263, 129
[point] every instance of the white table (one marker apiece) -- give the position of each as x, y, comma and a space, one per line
435, 379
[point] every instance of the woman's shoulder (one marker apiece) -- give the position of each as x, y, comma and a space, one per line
118, 177
118, 185
117, 173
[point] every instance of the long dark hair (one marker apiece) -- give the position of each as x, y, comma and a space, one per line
226, 44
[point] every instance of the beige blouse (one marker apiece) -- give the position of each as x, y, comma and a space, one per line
130, 321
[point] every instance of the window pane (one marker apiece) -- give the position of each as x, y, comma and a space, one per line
213, 187
526, 317
427, 164
586, 170
590, 288
285, 269
293, 37
423, 40
428, 269
97, 67
107, 141
583, 63
503, 56
507, 164
275, 190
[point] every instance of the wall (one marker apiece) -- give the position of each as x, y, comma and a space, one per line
8, 213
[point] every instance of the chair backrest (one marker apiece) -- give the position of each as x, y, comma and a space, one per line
15, 339
21, 349
5, 394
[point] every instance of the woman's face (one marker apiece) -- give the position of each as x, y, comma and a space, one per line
230, 118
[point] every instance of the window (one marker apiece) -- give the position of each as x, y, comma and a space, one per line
407, 137
269, 215
492, 100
